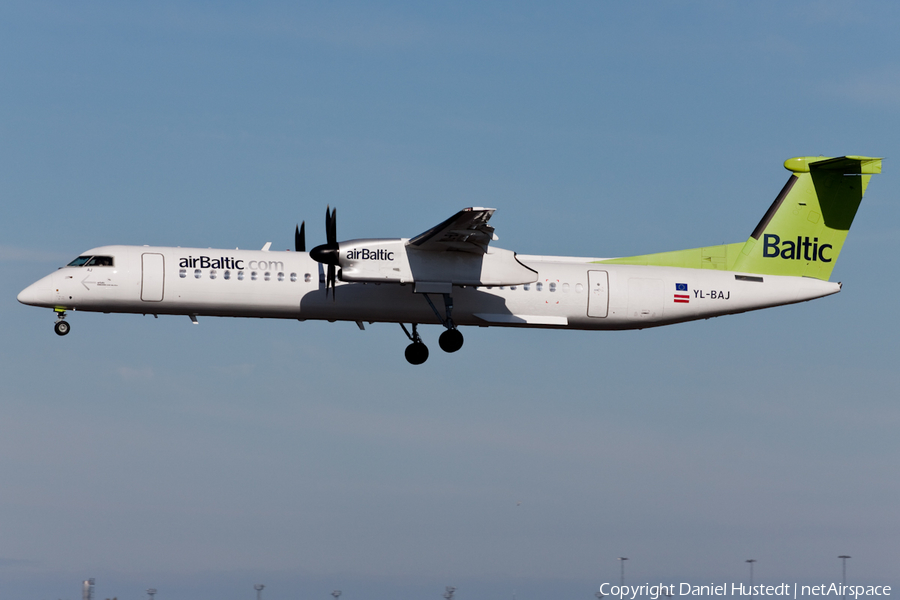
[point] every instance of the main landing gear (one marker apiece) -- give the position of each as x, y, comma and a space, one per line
450, 340
61, 327
417, 352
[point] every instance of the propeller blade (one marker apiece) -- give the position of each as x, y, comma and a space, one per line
331, 227
327, 225
329, 252
330, 282
300, 238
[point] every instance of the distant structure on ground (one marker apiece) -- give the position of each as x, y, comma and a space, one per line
87, 589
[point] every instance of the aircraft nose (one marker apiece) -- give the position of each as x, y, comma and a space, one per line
36, 294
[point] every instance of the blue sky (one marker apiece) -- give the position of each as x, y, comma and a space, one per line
310, 456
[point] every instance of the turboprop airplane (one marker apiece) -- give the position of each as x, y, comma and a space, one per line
451, 274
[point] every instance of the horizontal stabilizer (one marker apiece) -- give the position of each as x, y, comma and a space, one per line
850, 165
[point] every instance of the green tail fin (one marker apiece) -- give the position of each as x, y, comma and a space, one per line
804, 230
801, 234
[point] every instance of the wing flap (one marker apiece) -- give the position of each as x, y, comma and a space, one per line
466, 231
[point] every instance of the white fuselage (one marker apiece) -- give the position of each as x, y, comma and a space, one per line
574, 293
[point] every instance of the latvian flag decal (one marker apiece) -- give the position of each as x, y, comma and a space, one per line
681, 293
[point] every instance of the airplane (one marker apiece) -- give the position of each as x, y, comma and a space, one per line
451, 275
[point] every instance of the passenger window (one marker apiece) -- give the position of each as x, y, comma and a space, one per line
565, 287
182, 273
240, 275
267, 276
197, 273
579, 288
293, 277
79, 262
538, 286
307, 278
512, 287
552, 286
526, 287
212, 274
253, 275
226, 275
280, 276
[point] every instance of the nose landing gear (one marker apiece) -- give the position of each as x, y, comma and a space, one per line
61, 327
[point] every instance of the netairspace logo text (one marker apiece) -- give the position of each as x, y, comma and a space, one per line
654, 592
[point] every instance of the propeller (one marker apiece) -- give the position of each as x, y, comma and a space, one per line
300, 238
329, 252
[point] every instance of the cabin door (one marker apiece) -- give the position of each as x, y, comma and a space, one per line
152, 277
598, 294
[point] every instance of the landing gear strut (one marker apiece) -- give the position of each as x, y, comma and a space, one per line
417, 352
451, 340
61, 327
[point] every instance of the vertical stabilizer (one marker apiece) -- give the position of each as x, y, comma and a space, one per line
804, 230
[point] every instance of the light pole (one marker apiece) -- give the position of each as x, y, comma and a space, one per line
151, 592
448, 595
751, 561
259, 588
843, 558
622, 560
336, 594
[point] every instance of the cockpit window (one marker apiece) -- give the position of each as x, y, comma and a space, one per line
79, 262
100, 261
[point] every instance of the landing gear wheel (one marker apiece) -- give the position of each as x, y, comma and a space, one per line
416, 353
451, 340
61, 328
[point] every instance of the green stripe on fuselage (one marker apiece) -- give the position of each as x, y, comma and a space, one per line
720, 257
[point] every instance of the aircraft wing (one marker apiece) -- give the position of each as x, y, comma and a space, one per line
466, 231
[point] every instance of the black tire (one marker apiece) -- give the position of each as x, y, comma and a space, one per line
451, 340
416, 353
61, 328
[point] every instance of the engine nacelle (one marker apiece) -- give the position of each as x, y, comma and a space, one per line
374, 261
